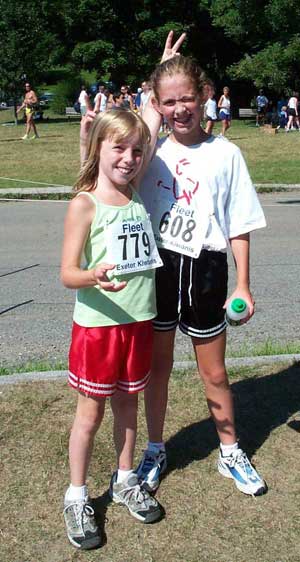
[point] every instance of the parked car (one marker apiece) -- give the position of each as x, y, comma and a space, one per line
46, 98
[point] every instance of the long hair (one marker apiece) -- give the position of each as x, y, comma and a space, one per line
185, 66
114, 124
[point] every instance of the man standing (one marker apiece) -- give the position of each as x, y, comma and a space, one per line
261, 105
29, 104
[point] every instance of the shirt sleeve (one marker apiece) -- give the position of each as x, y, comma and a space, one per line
243, 211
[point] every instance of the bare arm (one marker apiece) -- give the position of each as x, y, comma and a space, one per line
220, 102
151, 115
240, 247
77, 226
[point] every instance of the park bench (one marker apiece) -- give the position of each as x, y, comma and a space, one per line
247, 113
70, 112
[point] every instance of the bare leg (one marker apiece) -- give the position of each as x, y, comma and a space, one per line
156, 393
209, 127
124, 407
210, 355
89, 415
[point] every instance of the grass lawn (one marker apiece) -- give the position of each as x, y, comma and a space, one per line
207, 519
54, 158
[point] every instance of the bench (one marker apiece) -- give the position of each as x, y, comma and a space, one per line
247, 113
70, 112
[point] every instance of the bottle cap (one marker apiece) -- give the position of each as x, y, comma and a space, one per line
238, 305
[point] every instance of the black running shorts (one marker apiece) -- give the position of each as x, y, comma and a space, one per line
191, 292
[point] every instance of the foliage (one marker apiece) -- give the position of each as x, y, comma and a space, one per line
256, 41
26, 46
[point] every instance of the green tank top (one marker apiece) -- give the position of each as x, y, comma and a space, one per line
136, 302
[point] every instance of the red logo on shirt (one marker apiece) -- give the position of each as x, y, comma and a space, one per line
191, 185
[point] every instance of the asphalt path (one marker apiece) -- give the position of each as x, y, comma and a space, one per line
36, 310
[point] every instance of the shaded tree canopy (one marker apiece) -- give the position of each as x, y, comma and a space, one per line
255, 41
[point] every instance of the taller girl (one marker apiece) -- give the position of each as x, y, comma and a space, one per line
201, 199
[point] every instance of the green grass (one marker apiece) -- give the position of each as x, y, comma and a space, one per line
54, 158
207, 519
269, 347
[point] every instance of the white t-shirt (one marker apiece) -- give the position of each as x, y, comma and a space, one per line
144, 99
103, 101
225, 105
210, 178
210, 109
292, 103
83, 98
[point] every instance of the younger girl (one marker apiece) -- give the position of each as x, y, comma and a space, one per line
200, 197
224, 106
112, 318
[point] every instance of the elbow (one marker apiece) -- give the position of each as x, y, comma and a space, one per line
65, 280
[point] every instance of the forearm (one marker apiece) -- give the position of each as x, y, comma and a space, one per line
240, 247
75, 278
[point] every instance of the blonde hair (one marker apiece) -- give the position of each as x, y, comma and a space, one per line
180, 65
113, 124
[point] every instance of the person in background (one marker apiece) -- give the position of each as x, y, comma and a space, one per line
224, 107
261, 108
146, 92
29, 104
292, 109
137, 99
118, 100
100, 100
84, 101
127, 98
210, 109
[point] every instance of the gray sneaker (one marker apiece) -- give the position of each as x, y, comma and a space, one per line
138, 501
82, 528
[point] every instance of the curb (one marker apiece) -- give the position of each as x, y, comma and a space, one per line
68, 189
40, 376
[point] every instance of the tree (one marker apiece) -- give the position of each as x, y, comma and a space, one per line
25, 46
268, 33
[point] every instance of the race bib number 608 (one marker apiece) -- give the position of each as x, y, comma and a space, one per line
179, 229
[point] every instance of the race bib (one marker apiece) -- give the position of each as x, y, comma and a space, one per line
131, 246
179, 228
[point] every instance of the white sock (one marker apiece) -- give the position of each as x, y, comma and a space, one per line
228, 449
156, 447
123, 474
74, 493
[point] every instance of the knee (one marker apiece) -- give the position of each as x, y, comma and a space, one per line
216, 377
88, 424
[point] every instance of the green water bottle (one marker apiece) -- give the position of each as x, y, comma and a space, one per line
236, 311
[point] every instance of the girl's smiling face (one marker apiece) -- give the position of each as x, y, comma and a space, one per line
120, 161
180, 104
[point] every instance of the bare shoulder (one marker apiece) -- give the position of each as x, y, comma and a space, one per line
82, 206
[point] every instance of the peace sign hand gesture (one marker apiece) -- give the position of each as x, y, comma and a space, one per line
169, 51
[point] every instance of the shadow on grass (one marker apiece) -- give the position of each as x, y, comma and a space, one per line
100, 505
261, 405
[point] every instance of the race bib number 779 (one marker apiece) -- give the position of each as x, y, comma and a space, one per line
131, 246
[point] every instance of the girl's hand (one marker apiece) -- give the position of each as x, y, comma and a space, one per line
169, 51
101, 278
247, 297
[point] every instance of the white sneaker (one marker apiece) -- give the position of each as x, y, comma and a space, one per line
238, 467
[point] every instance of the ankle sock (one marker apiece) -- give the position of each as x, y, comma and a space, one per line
74, 493
156, 447
123, 474
226, 450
